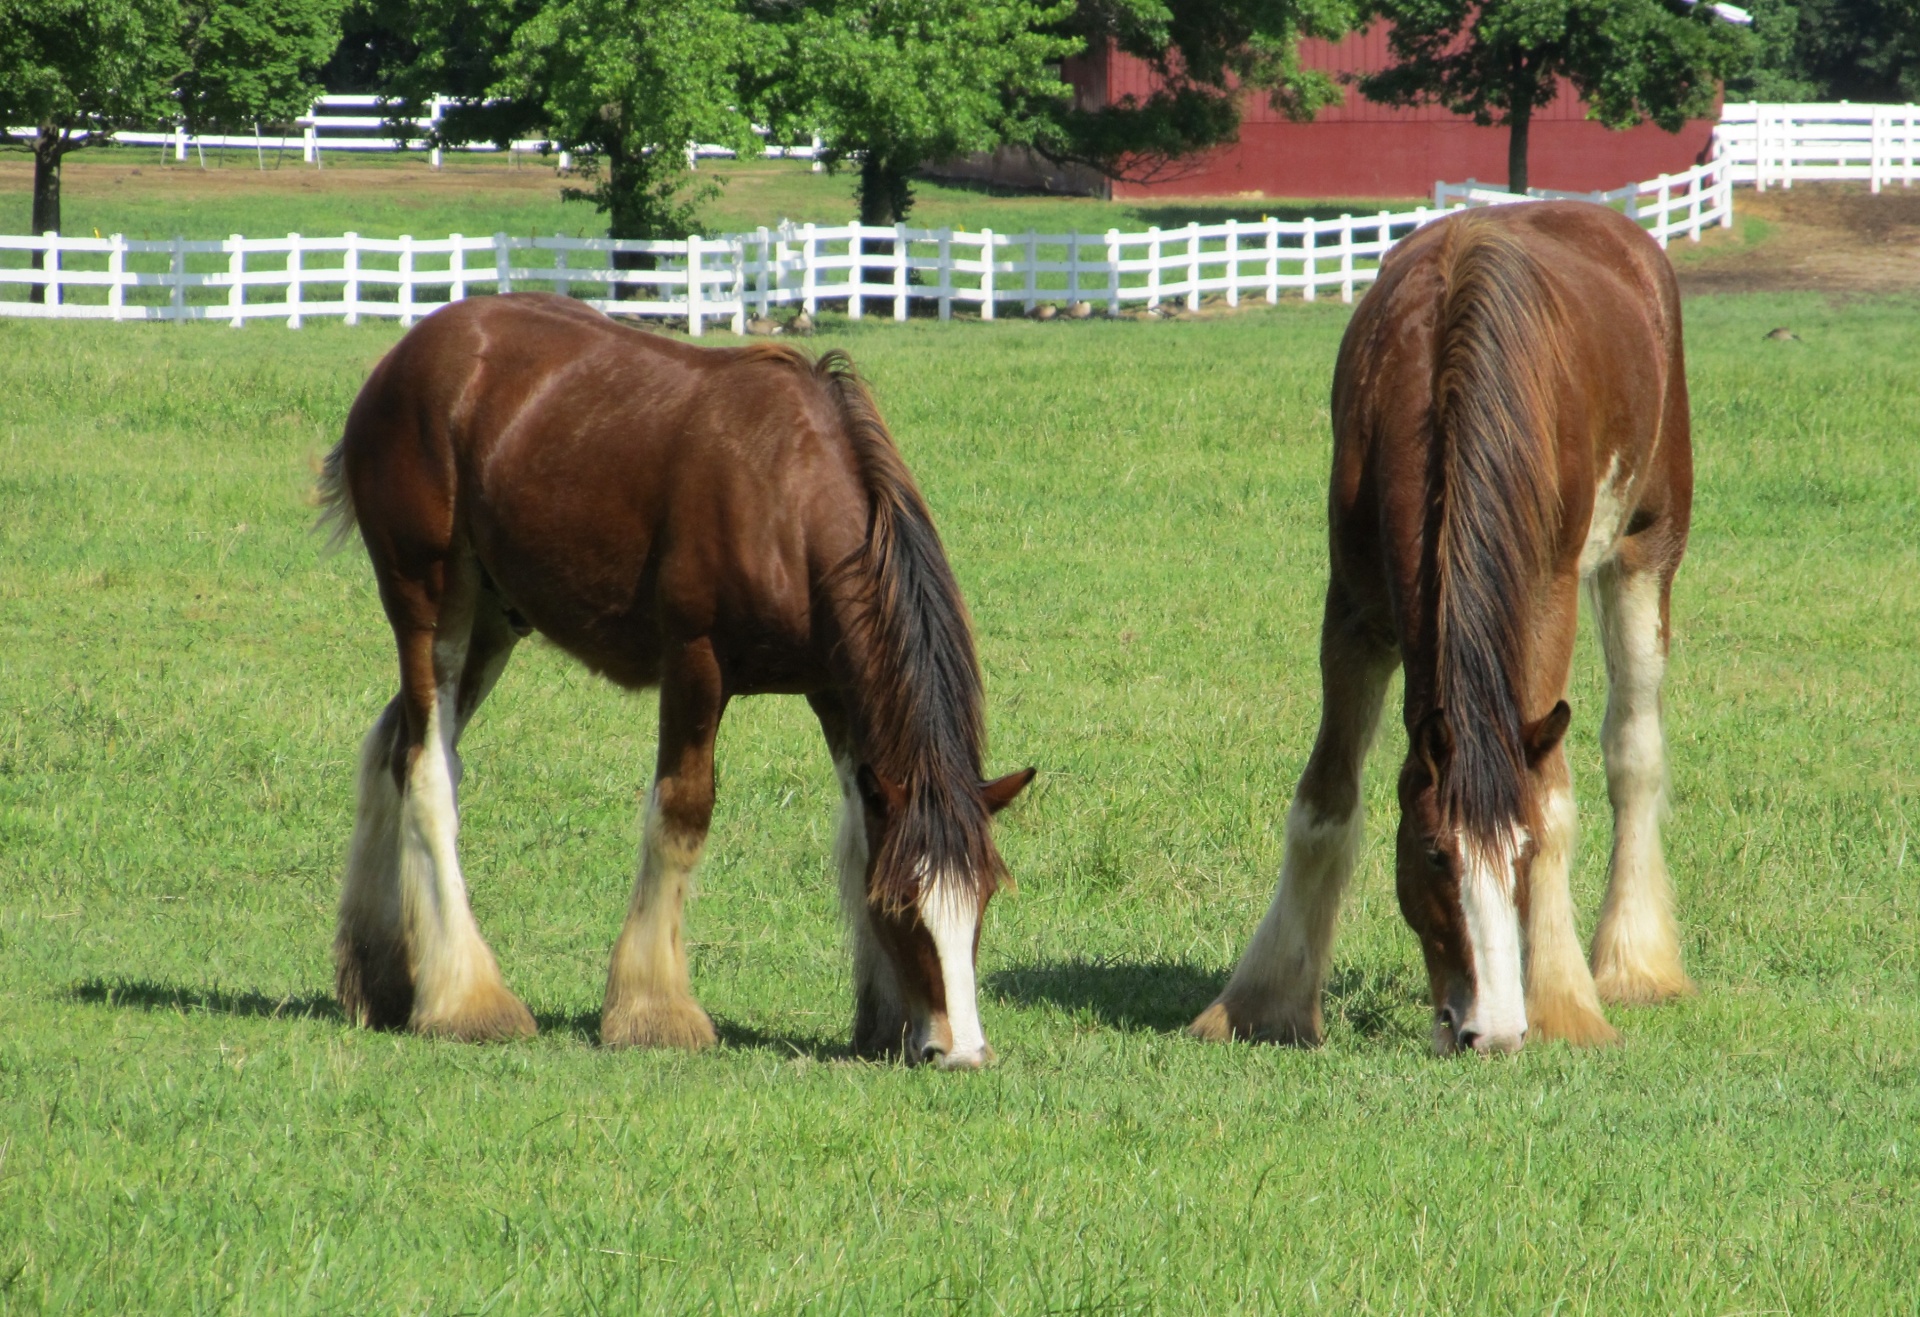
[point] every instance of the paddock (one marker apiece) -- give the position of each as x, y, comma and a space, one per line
1135, 512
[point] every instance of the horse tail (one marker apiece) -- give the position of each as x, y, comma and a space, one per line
924, 716
337, 520
1499, 359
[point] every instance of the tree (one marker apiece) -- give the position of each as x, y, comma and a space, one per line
1500, 60
891, 84
250, 62
1833, 50
77, 71
1207, 55
627, 85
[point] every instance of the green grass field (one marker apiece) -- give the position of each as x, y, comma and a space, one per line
1135, 512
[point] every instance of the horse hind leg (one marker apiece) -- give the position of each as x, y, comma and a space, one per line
1274, 993
458, 990
1636, 945
649, 1000
372, 978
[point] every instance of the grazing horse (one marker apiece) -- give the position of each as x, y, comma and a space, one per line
1510, 420
711, 522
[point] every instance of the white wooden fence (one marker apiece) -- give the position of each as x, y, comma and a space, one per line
1784, 144
1668, 206
865, 268
359, 123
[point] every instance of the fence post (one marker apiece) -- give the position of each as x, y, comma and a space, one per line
1877, 135
180, 143
177, 270
857, 271
1233, 262
457, 269
1666, 201
765, 241
986, 274
502, 269
236, 282
1693, 207
1306, 261
737, 247
1273, 259
117, 270
310, 146
406, 279
350, 263
900, 271
809, 296
946, 273
1153, 267
1346, 258
694, 289
562, 283
1033, 275
1113, 272
1193, 265
293, 281
52, 266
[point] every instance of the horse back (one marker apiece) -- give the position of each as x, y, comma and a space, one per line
1602, 375
618, 489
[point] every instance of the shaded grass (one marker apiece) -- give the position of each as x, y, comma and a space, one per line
1135, 512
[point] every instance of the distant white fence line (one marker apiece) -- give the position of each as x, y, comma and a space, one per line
1767, 144
868, 268
1669, 206
358, 123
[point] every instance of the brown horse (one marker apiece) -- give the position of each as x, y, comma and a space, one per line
1510, 420
713, 522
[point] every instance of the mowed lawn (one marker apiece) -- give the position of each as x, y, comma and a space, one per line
1135, 512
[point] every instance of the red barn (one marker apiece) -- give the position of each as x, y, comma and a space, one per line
1359, 149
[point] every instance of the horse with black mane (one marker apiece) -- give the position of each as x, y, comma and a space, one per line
714, 522
1510, 420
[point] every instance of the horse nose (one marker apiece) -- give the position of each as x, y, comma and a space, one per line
967, 1060
932, 1053
1491, 1044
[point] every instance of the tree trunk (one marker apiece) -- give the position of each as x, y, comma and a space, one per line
624, 220
46, 197
1519, 120
885, 198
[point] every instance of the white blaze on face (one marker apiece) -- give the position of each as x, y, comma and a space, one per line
951, 914
1497, 1015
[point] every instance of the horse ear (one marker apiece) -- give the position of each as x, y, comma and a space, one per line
1432, 742
1000, 792
1541, 737
883, 797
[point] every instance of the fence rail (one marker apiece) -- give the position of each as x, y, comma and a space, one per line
1669, 206
1765, 144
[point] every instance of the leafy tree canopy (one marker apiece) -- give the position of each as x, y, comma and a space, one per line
894, 83
1832, 50
1499, 60
77, 71
254, 61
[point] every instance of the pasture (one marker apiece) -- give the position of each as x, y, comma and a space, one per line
1136, 514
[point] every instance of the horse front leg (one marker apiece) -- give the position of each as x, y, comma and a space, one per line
1274, 993
649, 1001
880, 1017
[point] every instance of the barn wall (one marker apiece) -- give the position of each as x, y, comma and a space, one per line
1358, 149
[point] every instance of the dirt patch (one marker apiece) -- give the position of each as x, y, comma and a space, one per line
1828, 237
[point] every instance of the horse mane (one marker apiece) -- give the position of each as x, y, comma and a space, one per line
1498, 359
922, 720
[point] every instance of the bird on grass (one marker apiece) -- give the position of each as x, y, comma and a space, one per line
1782, 334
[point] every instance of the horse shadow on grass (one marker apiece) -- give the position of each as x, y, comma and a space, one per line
1165, 996
583, 1026
148, 995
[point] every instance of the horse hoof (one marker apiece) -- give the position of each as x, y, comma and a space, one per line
487, 1015
657, 1022
1625, 985
1574, 1023
1221, 1024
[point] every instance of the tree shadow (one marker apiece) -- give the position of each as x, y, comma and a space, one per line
1131, 995
147, 995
